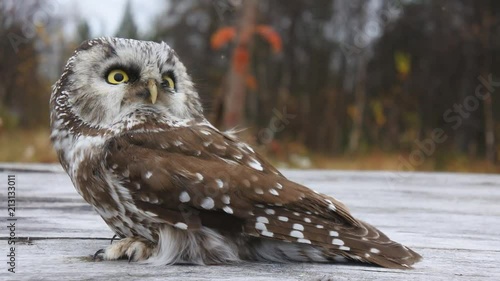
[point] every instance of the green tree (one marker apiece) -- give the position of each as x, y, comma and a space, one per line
22, 90
83, 31
127, 28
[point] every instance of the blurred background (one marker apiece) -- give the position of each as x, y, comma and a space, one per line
345, 84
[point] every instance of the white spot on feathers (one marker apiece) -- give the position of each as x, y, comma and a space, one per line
334, 233
244, 145
184, 197
270, 212
375, 250
262, 219
207, 203
199, 176
148, 174
255, 164
151, 214
260, 226
305, 241
181, 225
307, 219
154, 200
338, 242
319, 226
219, 183
296, 234
206, 133
344, 248
228, 209
282, 218
226, 199
274, 192
298, 226
219, 147
258, 190
249, 148
279, 186
332, 207
267, 233
246, 183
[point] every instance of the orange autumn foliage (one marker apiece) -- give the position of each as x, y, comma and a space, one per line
241, 55
222, 36
241, 58
271, 36
225, 34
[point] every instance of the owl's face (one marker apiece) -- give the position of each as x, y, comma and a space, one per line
108, 78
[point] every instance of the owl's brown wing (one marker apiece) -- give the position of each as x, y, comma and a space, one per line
196, 176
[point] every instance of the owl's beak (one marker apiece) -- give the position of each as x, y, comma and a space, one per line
153, 90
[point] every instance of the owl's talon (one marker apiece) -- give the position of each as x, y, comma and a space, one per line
131, 257
96, 256
131, 248
113, 238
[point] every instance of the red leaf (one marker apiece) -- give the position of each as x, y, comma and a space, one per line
271, 36
240, 59
221, 37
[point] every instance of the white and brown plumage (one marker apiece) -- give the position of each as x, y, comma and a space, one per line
129, 130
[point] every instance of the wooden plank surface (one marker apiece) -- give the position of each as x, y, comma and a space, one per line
452, 220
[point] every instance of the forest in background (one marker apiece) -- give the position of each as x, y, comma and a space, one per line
406, 85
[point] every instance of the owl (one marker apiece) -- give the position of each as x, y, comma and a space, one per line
129, 130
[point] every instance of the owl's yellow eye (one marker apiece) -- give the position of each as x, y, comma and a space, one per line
168, 81
117, 76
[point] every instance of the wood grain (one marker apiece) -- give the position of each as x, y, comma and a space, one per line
452, 220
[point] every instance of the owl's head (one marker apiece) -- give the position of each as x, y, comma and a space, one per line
108, 78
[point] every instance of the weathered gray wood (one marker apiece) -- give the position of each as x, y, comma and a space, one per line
453, 220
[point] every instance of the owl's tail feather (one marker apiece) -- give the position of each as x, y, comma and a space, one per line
315, 239
393, 256
376, 248
390, 256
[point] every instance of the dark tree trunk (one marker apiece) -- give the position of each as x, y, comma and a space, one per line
234, 102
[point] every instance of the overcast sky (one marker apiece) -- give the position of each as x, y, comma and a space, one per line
104, 16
